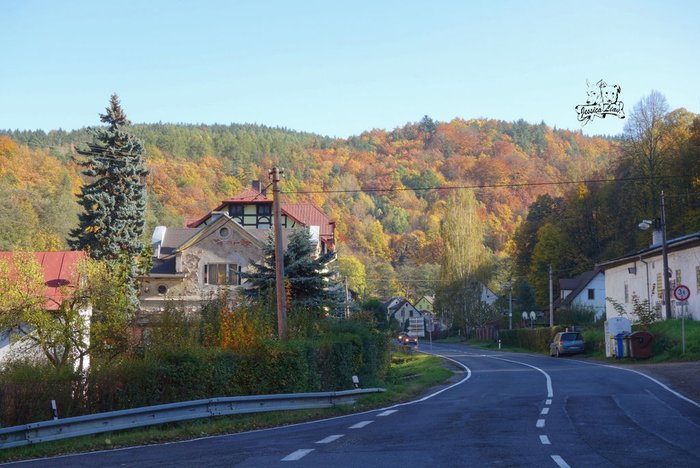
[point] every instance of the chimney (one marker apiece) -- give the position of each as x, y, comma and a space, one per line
256, 185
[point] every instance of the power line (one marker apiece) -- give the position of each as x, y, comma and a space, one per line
483, 186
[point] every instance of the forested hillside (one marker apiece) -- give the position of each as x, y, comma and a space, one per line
379, 186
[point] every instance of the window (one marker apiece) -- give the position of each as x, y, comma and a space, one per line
627, 293
162, 289
264, 210
678, 277
236, 210
591, 294
697, 279
224, 232
222, 274
659, 286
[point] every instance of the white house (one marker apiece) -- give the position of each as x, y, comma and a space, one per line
403, 311
586, 291
641, 274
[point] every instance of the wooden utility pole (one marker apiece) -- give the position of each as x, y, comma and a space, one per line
275, 174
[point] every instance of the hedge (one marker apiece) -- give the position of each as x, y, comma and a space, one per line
343, 349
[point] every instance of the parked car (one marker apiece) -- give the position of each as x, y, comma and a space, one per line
566, 343
407, 340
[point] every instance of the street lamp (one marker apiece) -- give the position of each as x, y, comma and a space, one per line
660, 224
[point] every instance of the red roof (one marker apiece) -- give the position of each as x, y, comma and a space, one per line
310, 215
60, 270
248, 196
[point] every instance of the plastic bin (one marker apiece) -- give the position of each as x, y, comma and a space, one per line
622, 345
641, 345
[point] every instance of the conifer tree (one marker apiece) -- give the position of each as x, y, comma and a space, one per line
310, 280
114, 199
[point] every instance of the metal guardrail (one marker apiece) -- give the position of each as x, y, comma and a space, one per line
44, 431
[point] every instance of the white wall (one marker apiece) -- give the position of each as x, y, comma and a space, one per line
598, 302
617, 277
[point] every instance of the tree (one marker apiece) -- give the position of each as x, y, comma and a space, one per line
646, 139
67, 335
353, 270
465, 265
310, 282
114, 201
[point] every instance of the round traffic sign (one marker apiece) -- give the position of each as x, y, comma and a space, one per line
682, 292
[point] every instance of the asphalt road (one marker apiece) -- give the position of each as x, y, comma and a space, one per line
503, 409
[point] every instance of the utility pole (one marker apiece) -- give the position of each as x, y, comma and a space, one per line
347, 304
664, 254
275, 174
551, 298
510, 303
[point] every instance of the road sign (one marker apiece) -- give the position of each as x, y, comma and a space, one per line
681, 293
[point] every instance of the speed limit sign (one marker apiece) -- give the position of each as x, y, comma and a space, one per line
681, 292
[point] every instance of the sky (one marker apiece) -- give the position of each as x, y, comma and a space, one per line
341, 68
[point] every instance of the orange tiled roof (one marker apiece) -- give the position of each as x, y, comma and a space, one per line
60, 270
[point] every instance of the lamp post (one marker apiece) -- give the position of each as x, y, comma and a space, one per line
660, 224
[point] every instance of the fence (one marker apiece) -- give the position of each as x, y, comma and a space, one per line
44, 431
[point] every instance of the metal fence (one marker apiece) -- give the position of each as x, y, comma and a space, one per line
44, 431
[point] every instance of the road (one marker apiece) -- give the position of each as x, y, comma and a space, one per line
503, 409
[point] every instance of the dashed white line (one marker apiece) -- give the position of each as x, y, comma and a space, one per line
540, 423
297, 455
548, 402
545, 440
361, 424
545, 411
560, 461
329, 439
387, 412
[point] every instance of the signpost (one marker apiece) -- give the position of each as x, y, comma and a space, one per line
682, 293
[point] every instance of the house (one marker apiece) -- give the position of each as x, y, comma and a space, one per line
586, 291
191, 264
408, 317
487, 296
640, 274
425, 303
60, 276
252, 209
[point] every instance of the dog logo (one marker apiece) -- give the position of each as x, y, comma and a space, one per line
602, 99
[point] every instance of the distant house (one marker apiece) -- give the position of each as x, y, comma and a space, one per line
408, 317
192, 264
425, 303
488, 296
640, 274
586, 291
60, 277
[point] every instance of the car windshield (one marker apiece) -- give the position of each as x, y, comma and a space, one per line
570, 336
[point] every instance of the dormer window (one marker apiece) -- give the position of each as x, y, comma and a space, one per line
236, 210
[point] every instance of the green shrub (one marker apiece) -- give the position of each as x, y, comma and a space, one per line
27, 388
535, 339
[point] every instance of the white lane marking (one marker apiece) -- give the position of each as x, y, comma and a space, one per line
550, 392
545, 411
540, 423
545, 440
548, 402
361, 424
298, 455
387, 412
560, 461
329, 439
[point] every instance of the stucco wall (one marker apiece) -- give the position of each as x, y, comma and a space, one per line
646, 287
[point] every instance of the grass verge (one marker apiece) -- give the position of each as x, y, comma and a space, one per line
409, 376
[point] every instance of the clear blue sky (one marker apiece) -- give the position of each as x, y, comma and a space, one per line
339, 68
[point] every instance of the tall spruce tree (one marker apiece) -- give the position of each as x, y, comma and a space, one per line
114, 197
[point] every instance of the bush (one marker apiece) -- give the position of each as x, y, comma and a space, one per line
27, 388
535, 339
183, 373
